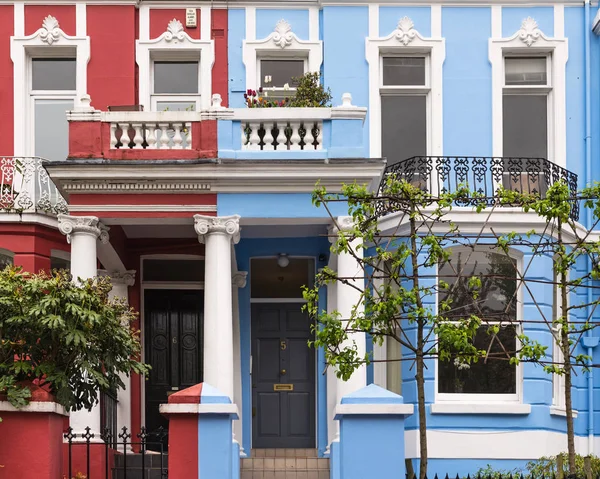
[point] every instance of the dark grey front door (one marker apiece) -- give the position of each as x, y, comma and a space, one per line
283, 377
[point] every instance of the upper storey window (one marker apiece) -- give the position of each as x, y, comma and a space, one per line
404, 106
525, 106
278, 75
529, 94
175, 85
53, 91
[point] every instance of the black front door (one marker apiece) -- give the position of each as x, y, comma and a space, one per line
173, 347
283, 377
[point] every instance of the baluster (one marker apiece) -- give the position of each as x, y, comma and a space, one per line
279, 137
151, 136
244, 136
295, 138
309, 138
268, 138
164, 138
188, 136
177, 139
113, 136
254, 141
138, 139
319, 136
124, 135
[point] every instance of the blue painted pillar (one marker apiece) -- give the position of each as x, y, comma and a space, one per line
371, 426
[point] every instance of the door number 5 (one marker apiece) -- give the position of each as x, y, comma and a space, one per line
283, 345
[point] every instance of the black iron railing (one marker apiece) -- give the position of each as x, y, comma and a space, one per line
483, 175
149, 461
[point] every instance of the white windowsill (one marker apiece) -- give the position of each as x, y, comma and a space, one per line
479, 408
561, 411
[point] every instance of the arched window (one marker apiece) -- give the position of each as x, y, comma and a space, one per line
497, 304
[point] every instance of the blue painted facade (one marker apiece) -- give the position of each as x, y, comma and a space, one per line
468, 128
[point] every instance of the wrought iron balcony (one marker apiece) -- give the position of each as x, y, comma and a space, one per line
26, 187
483, 175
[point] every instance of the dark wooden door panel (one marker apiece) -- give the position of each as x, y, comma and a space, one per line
172, 342
280, 355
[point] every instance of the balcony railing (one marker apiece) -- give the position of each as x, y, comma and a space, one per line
483, 175
26, 187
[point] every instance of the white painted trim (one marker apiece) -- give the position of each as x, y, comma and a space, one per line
19, 14
371, 409
493, 444
250, 24
561, 411
175, 42
21, 48
35, 406
144, 208
80, 20
313, 24
60, 254
541, 44
205, 23
435, 48
496, 18
144, 22
448, 407
373, 21
283, 45
30, 218
559, 21
199, 409
436, 21
298, 113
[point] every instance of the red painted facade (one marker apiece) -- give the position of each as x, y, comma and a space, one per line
35, 15
6, 80
160, 18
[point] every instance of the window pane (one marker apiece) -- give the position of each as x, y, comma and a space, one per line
525, 126
404, 127
525, 71
403, 71
53, 74
496, 303
59, 263
175, 77
173, 270
52, 129
276, 73
6, 260
175, 105
269, 280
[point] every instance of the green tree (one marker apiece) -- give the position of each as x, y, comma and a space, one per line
398, 296
68, 337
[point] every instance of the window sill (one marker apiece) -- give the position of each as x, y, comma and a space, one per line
480, 408
561, 411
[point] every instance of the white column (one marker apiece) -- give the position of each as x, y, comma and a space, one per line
218, 234
346, 297
83, 233
333, 426
239, 281
121, 280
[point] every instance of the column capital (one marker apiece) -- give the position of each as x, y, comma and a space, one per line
239, 279
228, 225
341, 223
126, 278
70, 225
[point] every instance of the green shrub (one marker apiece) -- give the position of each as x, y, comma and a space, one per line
546, 466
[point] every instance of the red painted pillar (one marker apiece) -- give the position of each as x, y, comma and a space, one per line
31, 438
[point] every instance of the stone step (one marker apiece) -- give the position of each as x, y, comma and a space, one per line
284, 452
285, 464
322, 474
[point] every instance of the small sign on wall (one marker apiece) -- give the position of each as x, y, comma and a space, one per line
191, 18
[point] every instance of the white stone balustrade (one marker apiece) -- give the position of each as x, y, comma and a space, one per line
165, 130
26, 187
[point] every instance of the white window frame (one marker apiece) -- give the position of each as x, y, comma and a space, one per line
175, 44
493, 398
155, 98
405, 40
278, 91
281, 44
48, 41
529, 40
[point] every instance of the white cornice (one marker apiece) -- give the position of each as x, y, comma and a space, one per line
287, 4
234, 176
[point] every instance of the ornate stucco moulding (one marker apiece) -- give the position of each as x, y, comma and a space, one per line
69, 225
206, 225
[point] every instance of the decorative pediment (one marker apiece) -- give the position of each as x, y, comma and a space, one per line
283, 35
175, 32
405, 31
529, 32
50, 32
